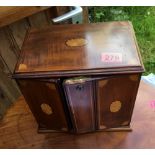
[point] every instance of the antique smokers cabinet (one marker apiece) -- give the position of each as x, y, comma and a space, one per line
80, 78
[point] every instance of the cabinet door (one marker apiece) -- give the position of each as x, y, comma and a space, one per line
43, 98
115, 100
79, 94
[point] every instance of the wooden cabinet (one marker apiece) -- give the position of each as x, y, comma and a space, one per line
80, 78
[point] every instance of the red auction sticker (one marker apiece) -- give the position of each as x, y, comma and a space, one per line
111, 57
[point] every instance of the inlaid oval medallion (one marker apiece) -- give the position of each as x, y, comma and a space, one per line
22, 67
103, 83
115, 106
133, 77
76, 42
51, 86
46, 109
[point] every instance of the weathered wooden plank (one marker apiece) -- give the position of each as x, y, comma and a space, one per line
50, 14
85, 14
60, 10
9, 91
16, 33
39, 20
9, 85
10, 14
12, 43
6, 51
4, 103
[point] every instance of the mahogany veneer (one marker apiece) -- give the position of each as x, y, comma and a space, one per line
80, 78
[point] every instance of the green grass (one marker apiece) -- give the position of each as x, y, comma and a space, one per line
143, 20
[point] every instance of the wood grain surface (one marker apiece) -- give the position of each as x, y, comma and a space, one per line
53, 55
14, 22
118, 93
10, 14
36, 19
19, 129
80, 99
37, 93
12, 37
16, 33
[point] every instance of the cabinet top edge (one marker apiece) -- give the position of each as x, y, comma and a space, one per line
103, 72
67, 49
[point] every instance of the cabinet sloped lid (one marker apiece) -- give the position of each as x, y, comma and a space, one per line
98, 48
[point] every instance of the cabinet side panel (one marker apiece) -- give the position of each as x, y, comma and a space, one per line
45, 103
115, 100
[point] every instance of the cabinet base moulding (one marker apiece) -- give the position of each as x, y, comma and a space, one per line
119, 129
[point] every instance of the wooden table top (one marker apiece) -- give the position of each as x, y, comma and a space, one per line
19, 129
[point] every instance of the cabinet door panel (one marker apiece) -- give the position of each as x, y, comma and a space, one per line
81, 105
115, 100
43, 98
